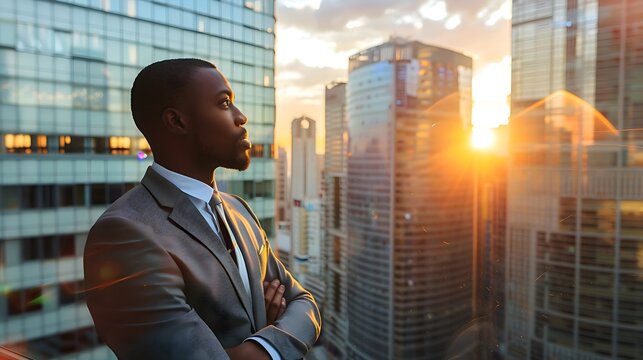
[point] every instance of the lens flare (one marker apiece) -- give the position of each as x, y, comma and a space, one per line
482, 138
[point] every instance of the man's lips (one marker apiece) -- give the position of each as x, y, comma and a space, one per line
245, 141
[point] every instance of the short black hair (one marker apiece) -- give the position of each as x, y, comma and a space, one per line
157, 87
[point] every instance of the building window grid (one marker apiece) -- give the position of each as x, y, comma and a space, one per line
59, 69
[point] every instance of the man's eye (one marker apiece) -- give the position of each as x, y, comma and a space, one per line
226, 103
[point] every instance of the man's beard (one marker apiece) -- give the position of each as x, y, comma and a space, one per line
241, 162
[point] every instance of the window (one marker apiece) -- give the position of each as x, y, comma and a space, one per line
98, 194
70, 292
66, 245
99, 145
71, 144
30, 248
248, 189
25, 144
256, 150
29, 197
24, 301
47, 196
17, 143
114, 192
119, 145
48, 247
67, 195
78, 340
266, 224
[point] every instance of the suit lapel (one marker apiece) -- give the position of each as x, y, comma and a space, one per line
251, 259
188, 218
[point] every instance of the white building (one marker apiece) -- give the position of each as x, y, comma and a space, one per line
305, 206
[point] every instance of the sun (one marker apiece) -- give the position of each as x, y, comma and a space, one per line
482, 138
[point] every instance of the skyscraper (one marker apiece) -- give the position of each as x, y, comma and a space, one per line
281, 191
491, 198
69, 147
575, 195
282, 204
409, 200
305, 208
334, 221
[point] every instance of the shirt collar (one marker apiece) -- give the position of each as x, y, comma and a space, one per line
188, 185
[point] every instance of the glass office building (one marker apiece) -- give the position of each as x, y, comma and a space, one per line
69, 147
575, 181
409, 200
334, 221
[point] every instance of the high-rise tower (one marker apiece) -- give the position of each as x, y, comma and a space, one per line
409, 200
575, 195
69, 146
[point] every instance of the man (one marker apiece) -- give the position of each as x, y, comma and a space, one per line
175, 269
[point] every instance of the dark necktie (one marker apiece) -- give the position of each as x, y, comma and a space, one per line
223, 230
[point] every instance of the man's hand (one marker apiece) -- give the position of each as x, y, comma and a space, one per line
275, 306
275, 302
248, 350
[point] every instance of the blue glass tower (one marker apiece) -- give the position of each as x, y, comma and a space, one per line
69, 147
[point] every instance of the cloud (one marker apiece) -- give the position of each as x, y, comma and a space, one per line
495, 11
453, 22
312, 50
355, 23
435, 10
301, 75
288, 75
411, 20
301, 4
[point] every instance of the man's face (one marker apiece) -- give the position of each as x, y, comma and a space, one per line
216, 122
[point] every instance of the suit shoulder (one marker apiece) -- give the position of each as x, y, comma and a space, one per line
132, 212
132, 205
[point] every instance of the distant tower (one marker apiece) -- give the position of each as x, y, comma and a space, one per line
282, 204
305, 206
281, 191
334, 221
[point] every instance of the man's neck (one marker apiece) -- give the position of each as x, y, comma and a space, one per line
204, 175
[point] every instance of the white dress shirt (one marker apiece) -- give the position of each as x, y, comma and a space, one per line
200, 194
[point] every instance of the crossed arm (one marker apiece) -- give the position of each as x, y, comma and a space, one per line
134, 294
275, 306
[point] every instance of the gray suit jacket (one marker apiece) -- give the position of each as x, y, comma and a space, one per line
160, 284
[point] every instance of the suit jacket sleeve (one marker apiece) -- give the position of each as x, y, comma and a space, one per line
299, 327
134, 293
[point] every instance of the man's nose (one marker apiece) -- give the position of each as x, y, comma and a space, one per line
241, 118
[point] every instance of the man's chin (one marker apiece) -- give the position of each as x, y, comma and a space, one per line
241, 163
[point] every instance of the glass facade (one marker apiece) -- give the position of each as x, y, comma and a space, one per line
409, 192
334, 221
69, 147
575, 184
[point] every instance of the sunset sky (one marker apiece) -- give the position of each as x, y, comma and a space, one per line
316, 37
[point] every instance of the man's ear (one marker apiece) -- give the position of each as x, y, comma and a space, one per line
175, 121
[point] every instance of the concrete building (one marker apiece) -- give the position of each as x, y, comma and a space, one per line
69, 147
575, 200
409, 200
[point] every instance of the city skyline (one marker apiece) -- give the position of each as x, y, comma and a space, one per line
375, 176
315, 39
